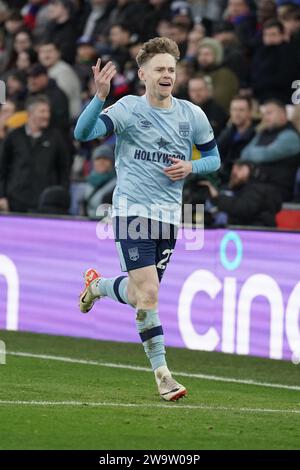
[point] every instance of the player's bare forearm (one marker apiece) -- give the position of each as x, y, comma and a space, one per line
179, 170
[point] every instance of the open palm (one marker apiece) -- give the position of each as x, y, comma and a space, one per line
103, 78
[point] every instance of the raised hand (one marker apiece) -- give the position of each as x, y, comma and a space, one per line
103, 78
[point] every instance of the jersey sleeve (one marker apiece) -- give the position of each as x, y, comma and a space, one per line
203, 132
205, 142
119, 113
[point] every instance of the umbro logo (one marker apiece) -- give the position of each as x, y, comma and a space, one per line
145, 124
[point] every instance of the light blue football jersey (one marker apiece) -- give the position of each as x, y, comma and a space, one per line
146, 137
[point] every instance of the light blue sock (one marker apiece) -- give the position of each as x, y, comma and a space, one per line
152, 336
115, 288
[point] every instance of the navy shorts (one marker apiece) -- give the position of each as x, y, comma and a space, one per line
144, 242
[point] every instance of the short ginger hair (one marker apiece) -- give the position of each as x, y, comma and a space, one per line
159, 45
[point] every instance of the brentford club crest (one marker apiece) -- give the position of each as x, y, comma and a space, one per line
184, 129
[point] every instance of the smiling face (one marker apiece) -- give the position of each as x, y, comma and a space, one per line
159, 74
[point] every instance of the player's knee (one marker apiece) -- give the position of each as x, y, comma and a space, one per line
148, 294
131, 292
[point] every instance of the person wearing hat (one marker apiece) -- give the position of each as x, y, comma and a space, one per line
210, 62
181, 12
102, 179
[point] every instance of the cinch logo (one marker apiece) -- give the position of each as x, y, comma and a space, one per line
9, 271
236, 315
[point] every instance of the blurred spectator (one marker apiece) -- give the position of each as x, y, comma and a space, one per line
41, 19
181, 13
34, 157
274, 67
207, 11
183, 75
159, 12
96, 23
234, 138
130, 13
101, 181
61, 29
180, 33
82, 9
86, 56
26, 59
16, 86
282, 5
54, 200
210, 60
119, 39
130, 66
234, 56
30, 12
39, 83
266, 10
194, 37
247, 201
13, 23
63, 74
241, 14
163, 28
276, 148
21, 42
3, 11
291, 22
200, 90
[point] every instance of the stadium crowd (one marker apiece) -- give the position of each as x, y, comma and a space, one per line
240, 62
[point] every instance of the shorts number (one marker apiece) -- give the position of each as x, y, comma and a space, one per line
162, 263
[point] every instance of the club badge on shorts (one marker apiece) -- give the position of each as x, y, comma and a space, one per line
133, 254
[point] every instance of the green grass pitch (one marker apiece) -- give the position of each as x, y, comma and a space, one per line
94, 404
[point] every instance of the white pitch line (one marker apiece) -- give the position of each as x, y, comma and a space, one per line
144, 406
146, 369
